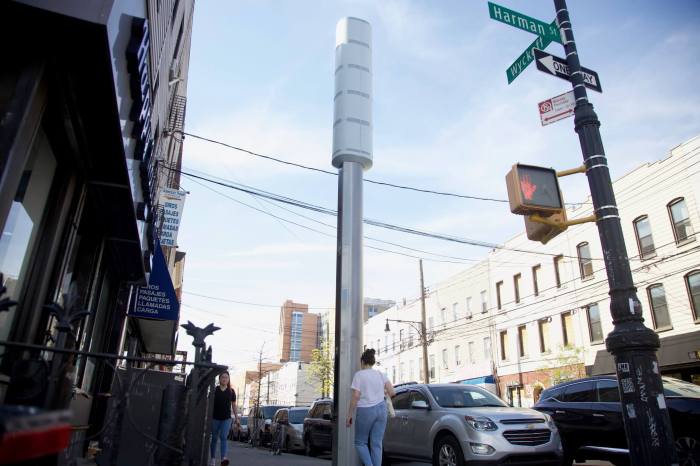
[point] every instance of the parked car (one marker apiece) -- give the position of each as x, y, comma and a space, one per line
589, 416
260, 422
291, 421
318, 427
455, 424
240, 433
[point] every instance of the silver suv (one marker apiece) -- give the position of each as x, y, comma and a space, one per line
454, 425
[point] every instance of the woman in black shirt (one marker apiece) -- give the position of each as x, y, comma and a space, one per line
224, 402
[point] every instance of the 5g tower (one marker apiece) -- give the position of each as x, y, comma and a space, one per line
352, 154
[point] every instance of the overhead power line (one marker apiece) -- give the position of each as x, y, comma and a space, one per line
328, 172
324, 210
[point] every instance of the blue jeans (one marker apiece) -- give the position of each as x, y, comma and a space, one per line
219, 431
370, 424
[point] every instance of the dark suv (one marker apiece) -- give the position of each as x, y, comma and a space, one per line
588, 414
318, 427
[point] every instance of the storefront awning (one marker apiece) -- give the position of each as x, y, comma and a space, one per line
156, 309
675, 351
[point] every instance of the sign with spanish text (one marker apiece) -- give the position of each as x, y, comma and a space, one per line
157, 300
172, 202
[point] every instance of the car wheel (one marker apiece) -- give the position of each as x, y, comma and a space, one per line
688, 450
309, 449
447, 452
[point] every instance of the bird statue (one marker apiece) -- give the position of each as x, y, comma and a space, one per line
199, 334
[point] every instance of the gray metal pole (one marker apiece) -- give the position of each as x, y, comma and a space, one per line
633, 345
348, 342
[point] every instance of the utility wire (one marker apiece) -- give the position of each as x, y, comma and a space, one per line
328, 172
376, 223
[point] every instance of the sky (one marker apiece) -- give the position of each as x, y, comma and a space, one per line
445, 118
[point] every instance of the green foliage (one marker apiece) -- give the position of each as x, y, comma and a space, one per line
322, 368
568, 364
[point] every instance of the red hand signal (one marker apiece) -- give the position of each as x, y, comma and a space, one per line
527, 187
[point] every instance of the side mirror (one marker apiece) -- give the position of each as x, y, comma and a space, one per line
419, 404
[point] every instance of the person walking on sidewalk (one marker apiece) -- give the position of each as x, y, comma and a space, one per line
369, 387
224, 403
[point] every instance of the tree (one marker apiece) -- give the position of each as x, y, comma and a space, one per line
322, 368
568, 364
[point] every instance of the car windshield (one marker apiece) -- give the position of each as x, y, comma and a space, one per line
464, 397
675, 387
244, 421
296, 416
269, 411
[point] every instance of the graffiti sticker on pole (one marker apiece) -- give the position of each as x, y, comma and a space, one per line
557, 108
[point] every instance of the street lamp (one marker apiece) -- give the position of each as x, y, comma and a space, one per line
424, 341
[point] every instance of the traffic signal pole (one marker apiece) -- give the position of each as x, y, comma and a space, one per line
632, 344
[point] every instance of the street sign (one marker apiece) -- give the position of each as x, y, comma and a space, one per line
525, 58
557, 108
557, 67
524, 22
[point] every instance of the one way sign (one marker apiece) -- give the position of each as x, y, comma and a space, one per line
557, 67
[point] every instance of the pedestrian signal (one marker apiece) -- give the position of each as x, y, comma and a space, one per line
543, 232
533, 190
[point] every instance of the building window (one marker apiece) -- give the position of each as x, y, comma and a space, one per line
386, 343
468, 308
585, 264
659, 307
455, 312
595, 328
522, 341
402, 372
431, 365
421, 372
444, 359
379, 349
458, 360
499, 287
645, 242
557, 273
295, 341
431, 323
470, 347
393, 342
504, 345
443, 316
410, 371
516, 287
401, 342
410, 338
543, 325
487, 348
393, 374
567, 328
692, 282
484, 302
682, 229
535, 283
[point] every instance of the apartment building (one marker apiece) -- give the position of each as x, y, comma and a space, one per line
298, 332
524, 321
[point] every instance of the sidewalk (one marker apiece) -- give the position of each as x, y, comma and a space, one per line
241, 454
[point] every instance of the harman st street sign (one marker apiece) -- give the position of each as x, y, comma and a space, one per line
526, 23
557, 67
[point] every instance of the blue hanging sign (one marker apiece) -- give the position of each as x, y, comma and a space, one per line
158, 299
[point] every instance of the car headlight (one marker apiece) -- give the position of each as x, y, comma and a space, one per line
481, 423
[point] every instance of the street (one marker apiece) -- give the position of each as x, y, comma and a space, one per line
242, 454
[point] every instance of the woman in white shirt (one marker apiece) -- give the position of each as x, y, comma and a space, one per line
368, 389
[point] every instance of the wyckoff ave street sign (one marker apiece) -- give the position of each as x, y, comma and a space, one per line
524, 60
557, 108
557, 67
524, 22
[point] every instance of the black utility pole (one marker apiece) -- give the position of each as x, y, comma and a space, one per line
423, 332
632, 344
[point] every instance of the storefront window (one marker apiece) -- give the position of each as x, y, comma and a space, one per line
22, 225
